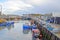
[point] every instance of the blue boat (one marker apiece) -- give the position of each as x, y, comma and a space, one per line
6, 23
34, 26
25, 27
9, 23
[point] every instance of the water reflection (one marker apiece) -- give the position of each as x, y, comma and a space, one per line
26, 31
8, 27
15, 32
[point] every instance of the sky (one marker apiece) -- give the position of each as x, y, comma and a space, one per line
29, 6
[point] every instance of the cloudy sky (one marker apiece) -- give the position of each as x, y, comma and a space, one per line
29, 6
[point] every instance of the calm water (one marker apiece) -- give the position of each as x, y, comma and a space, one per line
15, 32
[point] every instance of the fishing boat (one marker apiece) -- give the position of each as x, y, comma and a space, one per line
6, 23
26, 26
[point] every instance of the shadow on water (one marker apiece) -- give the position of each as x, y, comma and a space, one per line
8, 27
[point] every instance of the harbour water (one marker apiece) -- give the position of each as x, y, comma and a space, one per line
15, 32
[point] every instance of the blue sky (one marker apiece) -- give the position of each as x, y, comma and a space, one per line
3, 1
30, 6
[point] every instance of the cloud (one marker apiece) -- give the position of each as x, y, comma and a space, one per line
31, 6
45, 6
11, 6
37, 2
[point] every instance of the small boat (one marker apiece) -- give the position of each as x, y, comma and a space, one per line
6, 23
26, 26
9, 23
34, 26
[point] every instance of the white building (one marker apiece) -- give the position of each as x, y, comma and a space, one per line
56, 14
